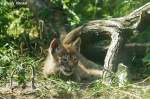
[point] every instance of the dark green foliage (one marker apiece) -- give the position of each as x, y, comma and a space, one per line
15, 65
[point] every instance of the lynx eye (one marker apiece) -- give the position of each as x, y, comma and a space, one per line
75, 60
64, 59
74, 57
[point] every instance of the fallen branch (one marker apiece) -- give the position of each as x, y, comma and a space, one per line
119, 30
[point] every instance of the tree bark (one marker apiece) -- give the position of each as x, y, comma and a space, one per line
54, 22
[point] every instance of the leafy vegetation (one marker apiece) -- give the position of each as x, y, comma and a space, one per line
22, 50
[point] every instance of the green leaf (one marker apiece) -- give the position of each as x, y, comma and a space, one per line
147, 58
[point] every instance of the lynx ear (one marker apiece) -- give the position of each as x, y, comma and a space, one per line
54, 45
77, 43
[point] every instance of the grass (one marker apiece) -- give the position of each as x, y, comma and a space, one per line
54, 87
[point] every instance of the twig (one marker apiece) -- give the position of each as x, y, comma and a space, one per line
32, 77
142, 80
137, 45
11, 76
128, 93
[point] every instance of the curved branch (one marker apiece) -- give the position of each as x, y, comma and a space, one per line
118, 28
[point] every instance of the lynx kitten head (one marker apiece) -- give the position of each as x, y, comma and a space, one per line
59, 60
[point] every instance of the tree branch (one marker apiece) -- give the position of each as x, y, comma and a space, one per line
119, 30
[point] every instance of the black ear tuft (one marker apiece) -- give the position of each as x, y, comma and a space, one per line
54, 44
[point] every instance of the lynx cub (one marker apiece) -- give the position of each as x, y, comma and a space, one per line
60, 60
